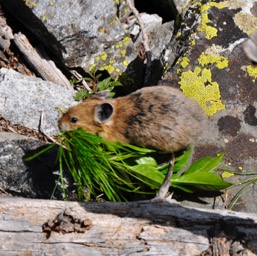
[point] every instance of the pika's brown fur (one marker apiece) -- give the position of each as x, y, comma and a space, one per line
159, 117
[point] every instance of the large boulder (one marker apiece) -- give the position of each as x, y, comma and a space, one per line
213, 69
23, 99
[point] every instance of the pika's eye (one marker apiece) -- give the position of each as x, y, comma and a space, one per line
74, 120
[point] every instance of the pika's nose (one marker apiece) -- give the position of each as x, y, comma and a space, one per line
63, 126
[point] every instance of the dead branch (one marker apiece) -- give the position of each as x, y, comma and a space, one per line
44, 66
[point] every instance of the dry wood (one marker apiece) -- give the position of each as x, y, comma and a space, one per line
44, 66
134, 228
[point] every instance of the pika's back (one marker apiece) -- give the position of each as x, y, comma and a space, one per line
159, 117
163, 117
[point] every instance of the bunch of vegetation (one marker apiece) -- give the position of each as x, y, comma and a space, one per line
97, 84
113, 169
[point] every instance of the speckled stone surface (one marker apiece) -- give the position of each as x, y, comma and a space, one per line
213, 69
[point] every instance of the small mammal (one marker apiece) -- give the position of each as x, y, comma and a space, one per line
158, 117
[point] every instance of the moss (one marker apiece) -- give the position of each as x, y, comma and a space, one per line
199, 86
252, 71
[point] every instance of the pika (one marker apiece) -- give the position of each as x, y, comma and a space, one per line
158, 117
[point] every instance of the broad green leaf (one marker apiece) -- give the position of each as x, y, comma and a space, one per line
201, 180
147, 160
148, 174
182, 160
209, 164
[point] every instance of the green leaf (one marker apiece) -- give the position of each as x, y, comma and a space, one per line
182, 160
209, 164
201, 180
148, 174
107, 84
81, 94
147, 161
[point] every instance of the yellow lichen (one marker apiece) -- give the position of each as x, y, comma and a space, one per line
109, 68
126, 40
204, 8
219, 61
111, 62
209, 31
199, 86
227, 174
184, 62
117, 46
125, 63
219, 5
102, 30
252, 71
104, 56
178, 34
123, 53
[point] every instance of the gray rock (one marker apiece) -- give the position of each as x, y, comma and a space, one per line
95, 35
80, 33
24, 98
180, 4
7, 136
159, 34
33, 179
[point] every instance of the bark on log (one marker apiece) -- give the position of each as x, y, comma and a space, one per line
134, 228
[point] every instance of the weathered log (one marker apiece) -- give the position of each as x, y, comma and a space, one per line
134, 228
42, 64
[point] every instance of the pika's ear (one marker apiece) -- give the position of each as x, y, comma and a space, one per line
103, 113
101, 94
